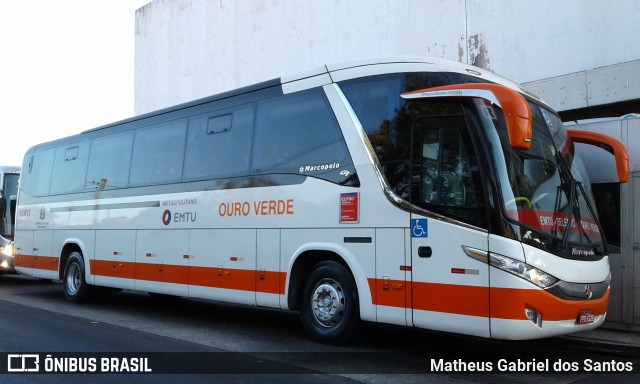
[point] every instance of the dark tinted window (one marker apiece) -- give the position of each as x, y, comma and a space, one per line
382, 112
219, 144
158, 153
69, 168
607, 198
37, 173
449, 176
299, 134
378, 105
109, 162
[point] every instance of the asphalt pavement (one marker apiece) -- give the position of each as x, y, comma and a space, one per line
609, 339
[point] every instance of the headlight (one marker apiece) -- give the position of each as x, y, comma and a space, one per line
7, 249
523, 270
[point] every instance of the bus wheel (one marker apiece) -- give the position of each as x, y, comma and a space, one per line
330, 311
76, 288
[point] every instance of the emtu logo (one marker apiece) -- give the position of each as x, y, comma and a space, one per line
166, 217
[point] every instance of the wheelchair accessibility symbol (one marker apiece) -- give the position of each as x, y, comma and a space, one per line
419, 228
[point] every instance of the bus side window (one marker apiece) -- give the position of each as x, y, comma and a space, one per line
299, 134
69, 168
382, 112
40, 164
158, 154
607, 199
109, 162
219, 144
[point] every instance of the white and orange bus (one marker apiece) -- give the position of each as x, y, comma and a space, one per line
410, 191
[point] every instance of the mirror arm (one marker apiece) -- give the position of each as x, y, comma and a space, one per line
607, 143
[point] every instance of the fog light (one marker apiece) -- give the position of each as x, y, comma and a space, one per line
4, 264
534, 316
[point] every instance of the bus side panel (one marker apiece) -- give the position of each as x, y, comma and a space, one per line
360, 257
45, 261
83, 239
113, 262
222, 265
24, 251
160, 263
450, 290
269, 287
390, 288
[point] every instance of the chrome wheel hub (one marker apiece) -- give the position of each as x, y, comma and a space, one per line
74, 279
328, 303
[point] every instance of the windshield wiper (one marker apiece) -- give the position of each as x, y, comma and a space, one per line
568, 180
573, 211
572, 196
594, 215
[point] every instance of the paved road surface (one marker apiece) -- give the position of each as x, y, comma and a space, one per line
36, 318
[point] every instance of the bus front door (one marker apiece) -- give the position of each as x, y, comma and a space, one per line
449, 269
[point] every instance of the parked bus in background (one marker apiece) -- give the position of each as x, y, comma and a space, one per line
412, 191
8, 193
618, 207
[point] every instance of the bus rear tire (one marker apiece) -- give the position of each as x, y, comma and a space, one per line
330, 310
76, 289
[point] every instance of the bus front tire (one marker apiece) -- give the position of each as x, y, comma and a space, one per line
330, 310
76, 288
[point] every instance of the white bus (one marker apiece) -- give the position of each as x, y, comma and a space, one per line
8, 194
410, 191
618, 207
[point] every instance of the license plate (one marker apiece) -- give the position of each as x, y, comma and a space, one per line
586, 316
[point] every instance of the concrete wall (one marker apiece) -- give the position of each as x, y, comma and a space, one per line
576, 53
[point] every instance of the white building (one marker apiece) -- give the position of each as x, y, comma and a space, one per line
580, 55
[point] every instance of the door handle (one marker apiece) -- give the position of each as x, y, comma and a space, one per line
424, 252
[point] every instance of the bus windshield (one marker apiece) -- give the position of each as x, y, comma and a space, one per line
535, 185
8, 204
546, 189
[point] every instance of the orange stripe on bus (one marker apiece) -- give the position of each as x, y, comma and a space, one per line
450, 298
391, 293
46, 263
214, 277
238, 279
112, 269
506, 303
511, 303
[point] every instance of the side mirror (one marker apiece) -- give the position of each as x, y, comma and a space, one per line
607, 143
515, 108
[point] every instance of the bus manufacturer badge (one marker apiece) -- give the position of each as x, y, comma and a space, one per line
588, 292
